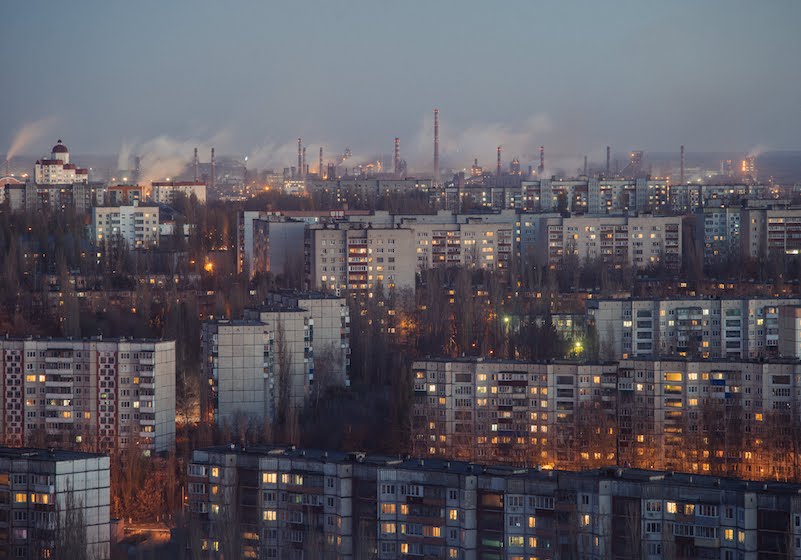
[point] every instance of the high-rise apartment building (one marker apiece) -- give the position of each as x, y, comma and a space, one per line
93, 394
741, 328
345, 257
40, 489
136, 226
637, 241
275, 357
165, 192
296, 503
721, 417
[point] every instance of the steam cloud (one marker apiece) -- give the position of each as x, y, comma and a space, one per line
164, 156
459, 145
29, 134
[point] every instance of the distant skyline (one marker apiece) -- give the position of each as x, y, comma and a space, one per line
251, 77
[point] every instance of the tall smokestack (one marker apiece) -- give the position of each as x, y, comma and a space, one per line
681, 172
585, 166
196, 165
213, 178
320, 164
397, 156
303, 167
436, 146
541, 168
498, 169
300, 156
608, 160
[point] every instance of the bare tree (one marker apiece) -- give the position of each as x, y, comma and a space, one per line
70, 538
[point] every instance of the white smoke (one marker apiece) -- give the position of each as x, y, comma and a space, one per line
165, 157
757, 151
459, 145
29, 134
124, 156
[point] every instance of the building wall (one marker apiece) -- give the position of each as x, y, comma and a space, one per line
351, 505
790, 331
237, 359
297, 338
165, 192
34, 485
646, 413
89, 394
734, 328
137, 226
345, 258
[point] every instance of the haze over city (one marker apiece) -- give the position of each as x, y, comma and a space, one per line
250, 77
368, 280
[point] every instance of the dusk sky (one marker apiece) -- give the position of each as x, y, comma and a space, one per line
250, 77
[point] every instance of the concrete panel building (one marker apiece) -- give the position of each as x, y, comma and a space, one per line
37, 489
293, 503
790, 331
165, 192
91, 394
136, 226
276, 356
344, 258
742, 328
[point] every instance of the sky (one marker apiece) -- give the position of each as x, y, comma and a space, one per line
251, 76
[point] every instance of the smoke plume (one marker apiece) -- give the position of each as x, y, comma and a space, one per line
164, 156
29, 134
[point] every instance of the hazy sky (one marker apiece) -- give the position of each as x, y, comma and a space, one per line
251, 77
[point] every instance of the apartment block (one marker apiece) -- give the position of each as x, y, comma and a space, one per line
278, 247
165, 192
790, 331
719, 417
719, 228
91, 394
295, 503
742, 328
344, 258
125, 195
771, 231
637, 241
277, 355
136, 226
366, 189
40, 488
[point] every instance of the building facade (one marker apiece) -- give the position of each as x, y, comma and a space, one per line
294, 503
742, 328
39, 489
92, 394
343, 258
276, 357
165, 192
136, 226
728, 418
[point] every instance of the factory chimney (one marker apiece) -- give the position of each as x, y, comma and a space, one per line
303, 167
681, 172
541, 168
300, 157
213, 178
196, 166
320, 164
436, 146
397, 156
585, 166
608, 160
498, 170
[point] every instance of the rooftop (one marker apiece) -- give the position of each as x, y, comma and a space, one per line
35, 454
466, 468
